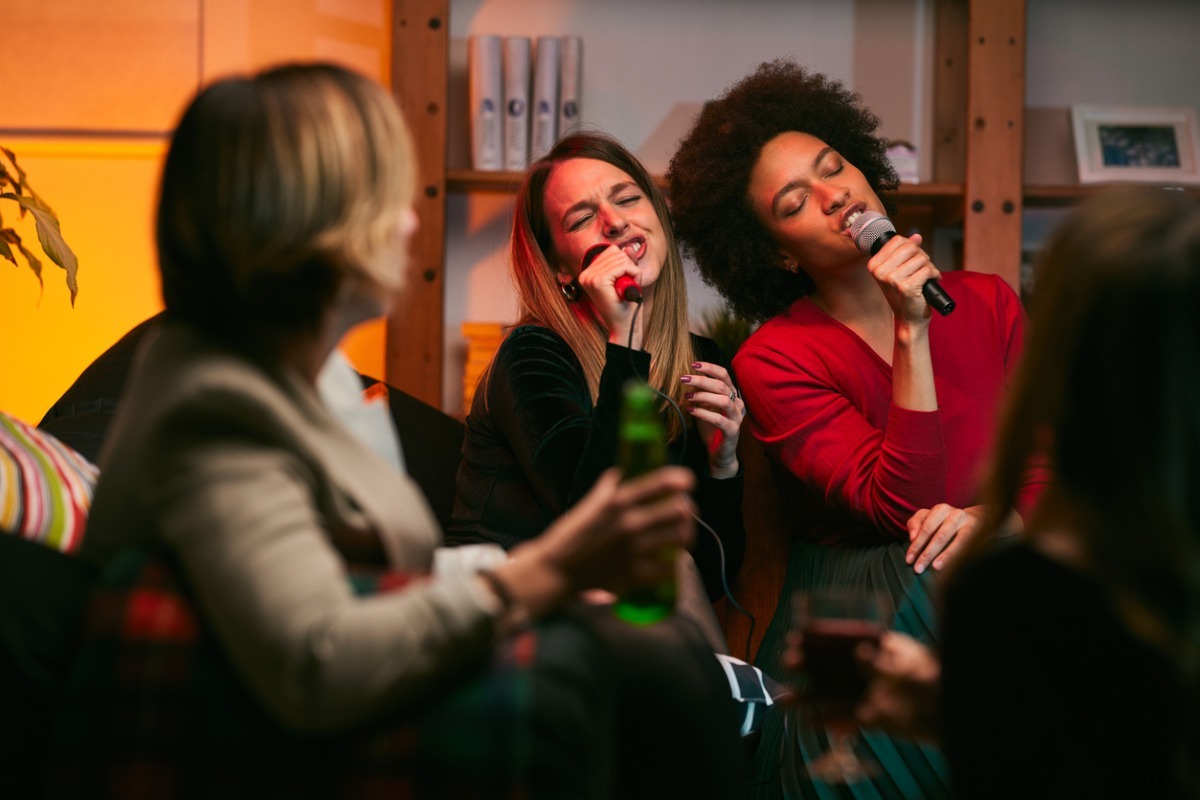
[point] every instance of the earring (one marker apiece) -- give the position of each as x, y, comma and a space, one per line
791, 266
570, 291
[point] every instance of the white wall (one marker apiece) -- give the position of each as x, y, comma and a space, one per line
1113, 51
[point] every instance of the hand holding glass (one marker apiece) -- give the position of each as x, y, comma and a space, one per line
833, 624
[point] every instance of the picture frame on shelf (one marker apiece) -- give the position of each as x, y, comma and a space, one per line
1136, 144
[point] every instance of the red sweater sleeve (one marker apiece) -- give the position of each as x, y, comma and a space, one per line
821, 414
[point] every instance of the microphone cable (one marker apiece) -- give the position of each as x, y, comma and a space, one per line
683, 427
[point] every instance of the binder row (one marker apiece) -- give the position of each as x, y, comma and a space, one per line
523, 98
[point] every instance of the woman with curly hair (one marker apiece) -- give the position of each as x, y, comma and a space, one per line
543, 425
878, 411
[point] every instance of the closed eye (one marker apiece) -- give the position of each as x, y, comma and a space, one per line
792, 209
833, 162
578, 222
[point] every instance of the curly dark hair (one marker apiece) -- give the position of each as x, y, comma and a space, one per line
710, 172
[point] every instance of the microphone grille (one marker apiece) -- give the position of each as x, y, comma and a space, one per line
869, 228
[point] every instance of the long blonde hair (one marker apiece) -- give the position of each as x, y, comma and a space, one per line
531, 261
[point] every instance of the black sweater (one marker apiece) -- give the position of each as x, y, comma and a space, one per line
536, 444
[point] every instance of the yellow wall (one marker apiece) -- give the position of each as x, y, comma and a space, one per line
89, 126
103, 192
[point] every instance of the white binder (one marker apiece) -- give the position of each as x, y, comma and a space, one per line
570, 89
517, 64
486, 95
544, 121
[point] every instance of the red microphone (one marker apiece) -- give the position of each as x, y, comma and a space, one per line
627, 288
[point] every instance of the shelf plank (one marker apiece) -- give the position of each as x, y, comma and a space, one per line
945, 195
473, 180
1064, 195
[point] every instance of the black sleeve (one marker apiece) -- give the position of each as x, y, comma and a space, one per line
539, 400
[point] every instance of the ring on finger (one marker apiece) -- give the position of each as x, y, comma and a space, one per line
733, 395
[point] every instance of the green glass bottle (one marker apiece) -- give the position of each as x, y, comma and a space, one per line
641, 448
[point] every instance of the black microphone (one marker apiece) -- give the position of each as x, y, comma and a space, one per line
871, 230
627, 288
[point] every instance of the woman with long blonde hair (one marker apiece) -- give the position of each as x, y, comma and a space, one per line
543, 426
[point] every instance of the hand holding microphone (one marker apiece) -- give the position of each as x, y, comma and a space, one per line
627, 288
871, 231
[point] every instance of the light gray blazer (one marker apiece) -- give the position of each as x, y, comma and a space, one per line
258, 490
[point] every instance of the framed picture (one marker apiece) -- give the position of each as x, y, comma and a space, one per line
1144, 144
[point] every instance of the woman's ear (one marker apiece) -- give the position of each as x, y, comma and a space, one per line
789, 263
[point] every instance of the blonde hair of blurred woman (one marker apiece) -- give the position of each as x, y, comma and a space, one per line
280, 192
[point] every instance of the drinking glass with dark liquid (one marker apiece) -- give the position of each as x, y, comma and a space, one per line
833, 624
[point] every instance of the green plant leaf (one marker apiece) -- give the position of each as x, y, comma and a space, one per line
35, 264
49, 233
51, 239
6, 251
21, 185
10, 237
725, 328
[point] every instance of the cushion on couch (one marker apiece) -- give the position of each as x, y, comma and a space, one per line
45, 486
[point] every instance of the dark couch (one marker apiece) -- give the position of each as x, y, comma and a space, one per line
43, 592
431, 438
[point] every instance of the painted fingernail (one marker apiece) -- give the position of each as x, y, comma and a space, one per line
697, 364
690, 395
687, 378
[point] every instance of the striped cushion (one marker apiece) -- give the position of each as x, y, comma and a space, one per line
45, 486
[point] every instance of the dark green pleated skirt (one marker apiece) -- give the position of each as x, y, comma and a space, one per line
907, 770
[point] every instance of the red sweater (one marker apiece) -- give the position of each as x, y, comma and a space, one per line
820, 402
